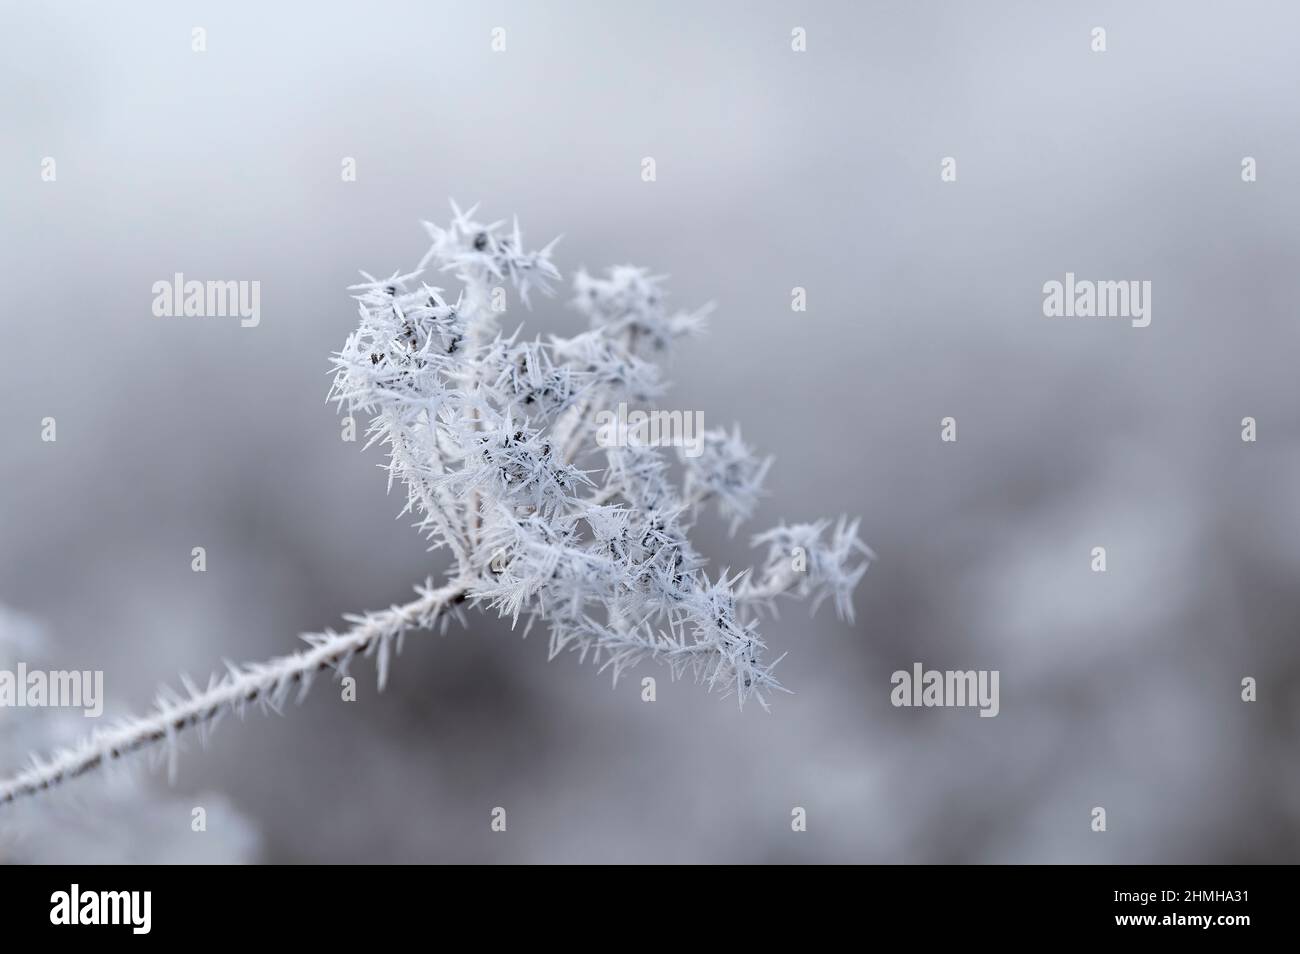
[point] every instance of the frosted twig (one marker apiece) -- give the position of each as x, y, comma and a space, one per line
485, 431
268, 684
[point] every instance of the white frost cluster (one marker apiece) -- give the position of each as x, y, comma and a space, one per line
493, 439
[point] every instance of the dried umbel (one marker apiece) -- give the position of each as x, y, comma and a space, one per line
492, 438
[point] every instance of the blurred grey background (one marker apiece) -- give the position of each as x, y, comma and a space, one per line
775, 169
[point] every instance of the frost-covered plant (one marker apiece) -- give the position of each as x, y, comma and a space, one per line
492, 438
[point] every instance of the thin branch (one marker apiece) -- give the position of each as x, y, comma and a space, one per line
268, 684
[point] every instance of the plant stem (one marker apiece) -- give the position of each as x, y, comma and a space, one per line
266, 683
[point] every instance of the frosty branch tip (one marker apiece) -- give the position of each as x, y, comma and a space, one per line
491, 438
